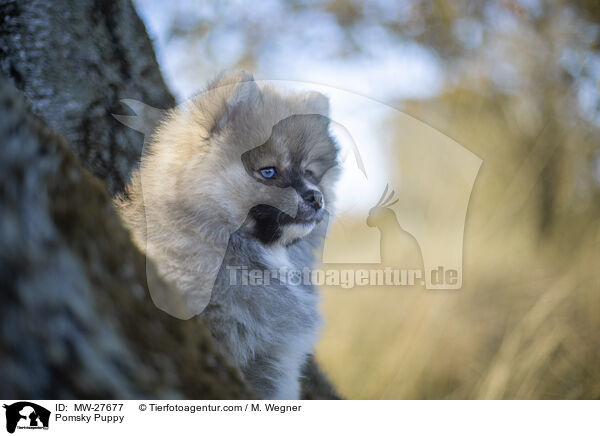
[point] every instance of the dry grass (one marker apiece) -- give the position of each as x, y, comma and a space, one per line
524, 325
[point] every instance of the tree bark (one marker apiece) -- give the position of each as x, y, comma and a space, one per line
74, 61
76, 318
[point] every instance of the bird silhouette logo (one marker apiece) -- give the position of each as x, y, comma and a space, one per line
398, 248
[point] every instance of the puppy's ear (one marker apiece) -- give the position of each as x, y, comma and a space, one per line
316, 103
229, 98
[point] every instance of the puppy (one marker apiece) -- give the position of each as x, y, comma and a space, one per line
231, 202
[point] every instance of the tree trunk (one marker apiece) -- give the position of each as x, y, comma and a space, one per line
76, 319
74, 61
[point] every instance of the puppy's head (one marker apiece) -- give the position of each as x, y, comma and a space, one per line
266, 163
296, 157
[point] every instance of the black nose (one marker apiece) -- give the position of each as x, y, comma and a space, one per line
313, 198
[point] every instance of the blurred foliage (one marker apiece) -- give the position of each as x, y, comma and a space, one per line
522, 91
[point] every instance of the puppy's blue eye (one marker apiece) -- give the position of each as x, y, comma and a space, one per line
268, 173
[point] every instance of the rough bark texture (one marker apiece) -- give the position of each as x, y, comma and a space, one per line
315, 384
75, 60
76, 319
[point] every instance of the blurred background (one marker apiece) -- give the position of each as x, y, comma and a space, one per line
515, 84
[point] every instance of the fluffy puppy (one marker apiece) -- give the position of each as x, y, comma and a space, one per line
239, 182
